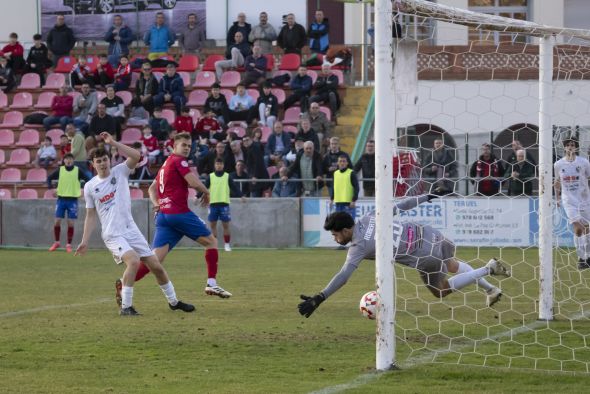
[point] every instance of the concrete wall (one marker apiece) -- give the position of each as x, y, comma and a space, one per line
21, 17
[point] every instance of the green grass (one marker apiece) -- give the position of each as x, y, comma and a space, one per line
60, 332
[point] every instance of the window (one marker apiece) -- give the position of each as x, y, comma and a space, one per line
515, 9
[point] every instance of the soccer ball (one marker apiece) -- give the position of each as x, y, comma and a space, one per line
368, 305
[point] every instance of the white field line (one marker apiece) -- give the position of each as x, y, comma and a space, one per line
51, 307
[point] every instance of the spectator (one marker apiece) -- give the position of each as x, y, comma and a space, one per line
119, 36
7, 79
234, 154
297, 147
101, 122
277, 146
78, 149
330, 162
142, 170
308, 167
15, 53
81, 73
60, 39
159, 38
255, 66
485, 169
171, 89
240, 178
217, 103
115, 107
318, 33
151, 144
208, 164
64, 145
199, 151
267, 106
184, 122
255, 167
123, 74
516, 146
191, 36
169, 145
240, 104
38, 60
160, 126
241, 26
104, 74
300, 90
292, 36
307, 133
116, 157
138, 116
146, 87
520, 175
206, 126
320, 124
345, 191
439, 166
366, 164
263, 34
326, 89
235, 55
85, 107
285, 187
46, 154
62, 106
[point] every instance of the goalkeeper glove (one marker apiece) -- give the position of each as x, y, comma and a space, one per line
310, 304
430, 197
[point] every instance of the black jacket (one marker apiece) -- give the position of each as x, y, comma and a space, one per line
140, 86
367, 164
316, 167
218, 106
292, 40
39, 56
61, 40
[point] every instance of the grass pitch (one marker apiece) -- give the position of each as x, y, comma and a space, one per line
60, 331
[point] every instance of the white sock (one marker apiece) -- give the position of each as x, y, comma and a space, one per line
211, 282
168, 290
126, 297
586, 239
464, 267
580, 245
460, 281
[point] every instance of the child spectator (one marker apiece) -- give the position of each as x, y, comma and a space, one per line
116, 158
38, 60
123, 74
142, 170
81, 73
65, 145
138, 116
151, 144
46, 154
159, 125
169, 145
104, 74
184, 122
206, 125
7, 80
14, 53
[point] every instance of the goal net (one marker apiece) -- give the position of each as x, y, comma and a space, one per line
474, 124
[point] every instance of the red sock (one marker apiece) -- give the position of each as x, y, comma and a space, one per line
226, 238
70, 234
56, 232
211, 257
142, 271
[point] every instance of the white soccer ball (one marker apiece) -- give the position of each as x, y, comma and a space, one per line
368, 305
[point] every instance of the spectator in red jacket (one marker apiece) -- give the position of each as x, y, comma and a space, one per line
151, 144
123, 74
62, 106
104, 74
487, 169
184, 122
206, 126
81, 73
14, 52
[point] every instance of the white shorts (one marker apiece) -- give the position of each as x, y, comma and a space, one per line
122, 244
577, 213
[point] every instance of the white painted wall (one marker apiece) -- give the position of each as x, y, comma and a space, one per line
21, 17
352, 24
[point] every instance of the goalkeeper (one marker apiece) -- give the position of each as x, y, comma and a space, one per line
414, 245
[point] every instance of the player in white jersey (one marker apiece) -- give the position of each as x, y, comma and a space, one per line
108, 199
572, 173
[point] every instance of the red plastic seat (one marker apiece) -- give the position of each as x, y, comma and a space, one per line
290, 129
6, 137
327, 111
158, 75
272, 170
280, 95
2, 157
49, 194
320, 58
28, 137
188, 63
100, 95
313, 75
209, 64
27, 194
270, 61
55, 81
55, 135
136, 194
290, 62
22, 100
254, 93
92, 62
169, 115
10, 175
197, 98
36, 175
12, 119
44, 100
227, 93
281, 72
65, 64
240, 131
230, 79
266, 132
74, 94
19, 157
186, 78
130, 136
5, 194
292, 115
204, 79
3, 100
30, 81
340, 76
125, 96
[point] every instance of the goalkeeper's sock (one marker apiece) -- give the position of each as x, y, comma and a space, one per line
459, 281
168, 290
580, 245
464, 267
126, 297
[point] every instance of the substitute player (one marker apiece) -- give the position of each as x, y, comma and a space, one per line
417, 246
107, 197
572, 173
174, 219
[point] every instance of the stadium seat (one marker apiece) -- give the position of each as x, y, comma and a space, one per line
136, 194
28, 137
55, 135
266, 132
169, 115
313, 75
49, 194
195, 114
186, 78
280, 94
209, 64
44, 100
292, 115
6, 137
92, 62
270, 61
320, 58
188, 63
27, 194
3, 100
10, 175
230, 79
130, 136
36, 175
290, 129
227, 93
64, 65
281, 72
100, 95
197, 98
326, 111
158, 75
19, 157
30, 81
2, 157
204, 79
134, 78
12, 119
55, 81
240, 131
254, 93
74, 94
340, 76
271, 171
5, 194
22, 100
125, 96
290, 62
